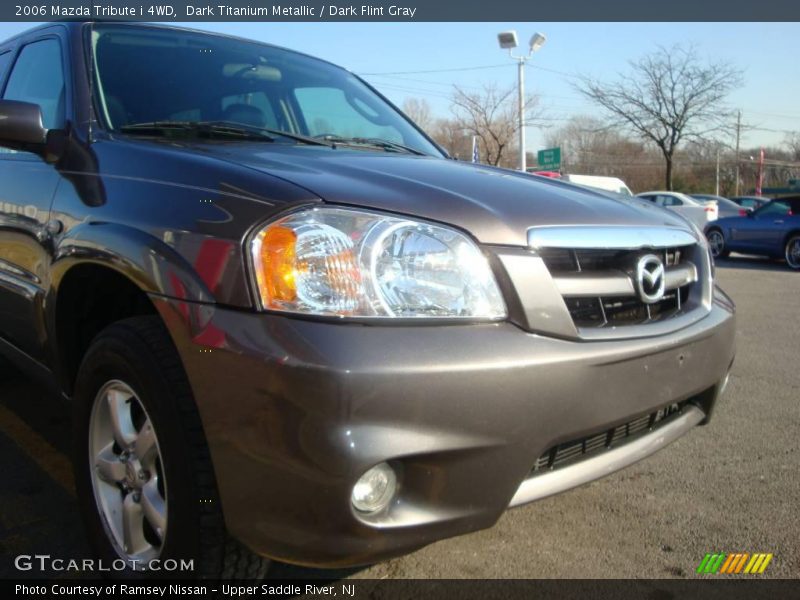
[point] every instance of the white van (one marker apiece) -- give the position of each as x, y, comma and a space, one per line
611, 184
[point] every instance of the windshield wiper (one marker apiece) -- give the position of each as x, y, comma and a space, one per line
231, 128
298, 137
225, 128
386, 145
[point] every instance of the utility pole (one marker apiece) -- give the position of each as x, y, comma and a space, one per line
738, 136
716, 184
760, 180
523, 163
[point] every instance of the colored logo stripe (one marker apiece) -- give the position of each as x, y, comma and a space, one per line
758, 563
734, 563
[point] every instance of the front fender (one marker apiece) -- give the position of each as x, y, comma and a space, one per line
154, 266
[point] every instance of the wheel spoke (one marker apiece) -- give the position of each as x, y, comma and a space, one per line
145, 445
132, 526
125, 466
155, 508
108, 466
119, 406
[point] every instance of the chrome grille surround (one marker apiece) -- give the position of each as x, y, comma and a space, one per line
578, 282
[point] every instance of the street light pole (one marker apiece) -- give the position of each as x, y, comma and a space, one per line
508, 41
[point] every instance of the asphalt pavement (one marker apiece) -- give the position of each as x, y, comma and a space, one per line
733, 486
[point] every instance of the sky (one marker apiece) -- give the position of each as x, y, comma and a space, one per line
402, 53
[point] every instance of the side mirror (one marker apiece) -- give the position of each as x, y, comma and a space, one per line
21, 126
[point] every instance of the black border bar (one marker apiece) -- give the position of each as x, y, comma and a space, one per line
404, 10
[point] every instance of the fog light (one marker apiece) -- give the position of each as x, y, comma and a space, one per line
375, 489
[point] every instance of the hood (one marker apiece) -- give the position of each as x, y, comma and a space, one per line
497, 206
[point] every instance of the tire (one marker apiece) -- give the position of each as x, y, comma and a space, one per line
132, 376
792, 252
716, 242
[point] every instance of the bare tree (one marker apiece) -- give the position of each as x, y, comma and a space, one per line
491, 115
590, 146
419, 111
792, 143
452, 138
668, 97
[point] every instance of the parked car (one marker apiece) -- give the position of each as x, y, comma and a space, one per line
772, 230
611, 184
551, 174
290, 328
725, 207
697, 211
751, 202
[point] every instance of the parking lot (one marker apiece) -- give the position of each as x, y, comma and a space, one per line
730, 487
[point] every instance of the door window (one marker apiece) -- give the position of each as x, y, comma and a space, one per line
774, 209
669, 201
38, 77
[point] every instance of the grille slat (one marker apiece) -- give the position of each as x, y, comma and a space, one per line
582, 448
580, 272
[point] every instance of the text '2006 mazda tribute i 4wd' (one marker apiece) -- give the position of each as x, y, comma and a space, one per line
291, 327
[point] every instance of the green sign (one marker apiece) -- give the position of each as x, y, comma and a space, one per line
549, 158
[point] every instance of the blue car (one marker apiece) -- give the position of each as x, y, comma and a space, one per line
772, 230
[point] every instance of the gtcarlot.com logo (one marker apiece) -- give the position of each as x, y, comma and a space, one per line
44, 562
735, 563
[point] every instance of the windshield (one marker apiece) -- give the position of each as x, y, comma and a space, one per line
152, 75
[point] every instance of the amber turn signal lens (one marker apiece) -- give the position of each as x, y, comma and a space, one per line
276, 275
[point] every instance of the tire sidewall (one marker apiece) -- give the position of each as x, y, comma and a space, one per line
112, 358
721, 252
789, 242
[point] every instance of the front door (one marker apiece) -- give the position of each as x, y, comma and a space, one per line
27, 186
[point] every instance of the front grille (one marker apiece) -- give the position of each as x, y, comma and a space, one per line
628, 310
592, 308
576, 450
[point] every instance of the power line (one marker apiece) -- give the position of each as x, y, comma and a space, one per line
454, 70
475, 68
775, 115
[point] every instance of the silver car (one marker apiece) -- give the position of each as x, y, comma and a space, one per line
697, 211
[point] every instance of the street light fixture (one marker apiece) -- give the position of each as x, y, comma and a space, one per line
508, 41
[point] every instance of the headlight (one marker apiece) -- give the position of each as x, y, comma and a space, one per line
343, 262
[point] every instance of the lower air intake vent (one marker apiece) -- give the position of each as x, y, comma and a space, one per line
577, 450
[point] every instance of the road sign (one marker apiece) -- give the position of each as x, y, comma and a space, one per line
549, 159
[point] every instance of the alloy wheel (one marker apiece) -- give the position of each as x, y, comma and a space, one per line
793, 253
716, 242
127, 474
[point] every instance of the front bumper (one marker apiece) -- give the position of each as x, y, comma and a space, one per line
296, 410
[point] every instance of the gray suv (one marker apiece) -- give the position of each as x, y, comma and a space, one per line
291, 327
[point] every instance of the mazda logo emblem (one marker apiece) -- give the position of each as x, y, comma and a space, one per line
650, 279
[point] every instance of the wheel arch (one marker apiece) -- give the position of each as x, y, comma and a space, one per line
103, 273
791, 233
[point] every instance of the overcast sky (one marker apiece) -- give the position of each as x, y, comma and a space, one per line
766, 52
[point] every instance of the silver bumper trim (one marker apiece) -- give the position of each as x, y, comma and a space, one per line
560, 480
